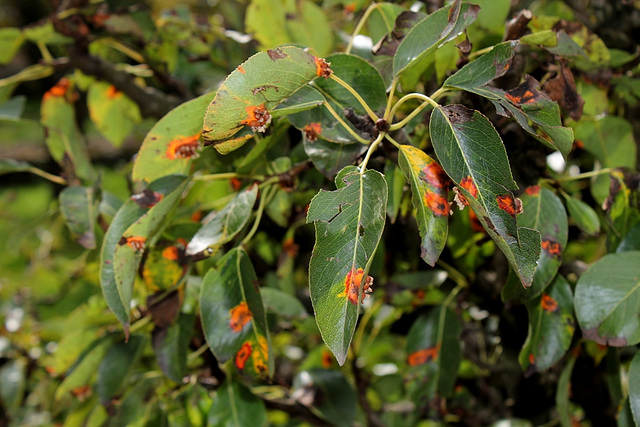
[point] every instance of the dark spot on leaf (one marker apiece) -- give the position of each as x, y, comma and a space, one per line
260, 89
527, 93
458, 114
552, 248
276, 54
562, 89
147, 198
164, 308
592, 334
404, 22
548, 303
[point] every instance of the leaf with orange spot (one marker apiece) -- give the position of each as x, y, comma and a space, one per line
433, 348
113, 113
430, 197
169, 146
164, 266
233, 316
551, 327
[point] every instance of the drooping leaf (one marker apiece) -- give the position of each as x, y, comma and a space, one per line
116, 366
607, 300
233, 316
382, 20
348, 223
583, 215
225, 224
333, 396
543, 211
433, 349
471, 152
112, 111
551, 327
430, 190
171, 345
170, 146
330, 157
234, 405
245, 99
11, 166
79, 207
425, 37
13, 108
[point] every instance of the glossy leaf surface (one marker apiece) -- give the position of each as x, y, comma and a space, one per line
471, 152
170, 146
348, 223
430, 33
607, 300
256, 86
233, 316
79, 208
226, 223
551, 327
430, 191
583, 215
234, 405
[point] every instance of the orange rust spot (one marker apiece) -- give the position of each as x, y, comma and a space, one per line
136, 243
468, 184
423, 356
50, 370
534, 190
290, 248
322, 68
433, 174
258, 118
327, 360
312, 130
352, 285
548, 303
182, 241
551, 247
81, 393
240, 316
437, 203
235, 183
171, 253
196, 216
113, 92
507, 203
349, 8
243, 355
241, 69
184, 147
59, 89
532, 359
579, 144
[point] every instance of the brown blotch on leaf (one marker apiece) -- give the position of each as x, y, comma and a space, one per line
517, 27
552, 248
113, 92
147, 198
548, 303
437, 203
312, 131
458, 114
259, 118
509, 204
183, 147
137, 243
562, 89
164, 309
389, 44
352, 285
592, 334
322, 68
533, 190
527, 92
276, 54
241, 69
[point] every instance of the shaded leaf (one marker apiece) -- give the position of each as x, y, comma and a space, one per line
234, 405
282, 303
79, 207
382, 21
622, 209
609, 139
11, 166
244, 100
13, 108
13, 382
171, 345
607, 309
171, 145
348, 223
551, 327
329, 157
562, 89
583, 215
233, 316
563, 392
226, 223
395, 181
115, 368
82, 374
10, 41
329, 392
401, 25
471, 152
634, 386
112, 111
430, 190
304, 99
483, 70
441, 26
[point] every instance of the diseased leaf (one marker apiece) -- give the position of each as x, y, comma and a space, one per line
234, 405
584, 215
116, 366
607, 300
112, 111
233, 316
430, 190
348, 223
245, 99
226, 223
83, 372
471, 152
171, 145
543, 211
79, 207
429, 34
486, 68
551, 327
382, 21
333, 396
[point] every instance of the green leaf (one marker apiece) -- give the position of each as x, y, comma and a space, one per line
551, 327
116, 366
631, 240
164, 194
13, 108
348, 223
382, 20
483, 70
563, 391
171, 145
395, 181
112, 111
10, 41
543, 211
430, 190
44, 32
233, 317
244, 100
609, 139
308, 25
282, 303
335, 399
584, 215
634, 387
171, 345
79, 207
433, 350
234, 405
226, 223
84, 371
471, 152
11, 166
622, 212
329, 157
430, 33
607, 298
304, 99
13, 383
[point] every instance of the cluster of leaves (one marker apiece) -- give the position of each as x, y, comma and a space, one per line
206, 256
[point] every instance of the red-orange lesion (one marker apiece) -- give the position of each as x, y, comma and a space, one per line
437, 203
433, 174
243, 355
258, 118
322, 68
113, 92
468, 184
532, 359
326, 359
241, 69
137, 243
312, 131
183, 147
59, 89
528, 97
548, 304
534, 190
239, 315
171, 253
352, 285
551, 247
509, 204
423, 356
